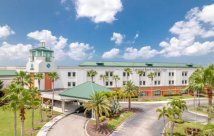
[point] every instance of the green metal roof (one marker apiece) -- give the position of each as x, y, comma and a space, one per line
41, 49
84, 91
136, 64
7, 72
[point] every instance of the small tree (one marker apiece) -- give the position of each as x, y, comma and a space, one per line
92, 73
99, 104
116, 78
53, 77
130, 90
103, 78
173, 112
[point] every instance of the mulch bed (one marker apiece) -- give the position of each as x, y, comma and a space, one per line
92, 131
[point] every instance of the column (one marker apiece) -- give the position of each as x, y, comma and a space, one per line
63, 105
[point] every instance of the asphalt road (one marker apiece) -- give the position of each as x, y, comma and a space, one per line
146, 123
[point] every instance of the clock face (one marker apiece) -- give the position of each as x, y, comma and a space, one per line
48, 65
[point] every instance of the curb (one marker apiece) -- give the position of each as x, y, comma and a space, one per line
44, 130
85, 128
199, 114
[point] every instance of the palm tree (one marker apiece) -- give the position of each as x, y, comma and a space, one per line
24, 100
39, 77
205, 78
104, 78
128, 71
115, 78
11, 97
162, 114
34, 103
140, 73
99, 104
53, 77
21, 78
151, 75
92, 73
130, 90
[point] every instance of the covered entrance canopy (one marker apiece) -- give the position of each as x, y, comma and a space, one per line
82, 92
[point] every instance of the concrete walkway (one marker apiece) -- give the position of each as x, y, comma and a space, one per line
72, 125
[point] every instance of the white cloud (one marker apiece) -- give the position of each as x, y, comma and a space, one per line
56, 43
77, 51
117, 38
207, 14
98, 10
111, 54
14, 51
143, 53
5, 31
80, 51
191, 34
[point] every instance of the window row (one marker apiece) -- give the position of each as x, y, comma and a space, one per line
73, 74
71, 84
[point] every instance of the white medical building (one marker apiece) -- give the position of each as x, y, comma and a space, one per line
170, 77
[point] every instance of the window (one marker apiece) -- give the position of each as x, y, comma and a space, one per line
140, 83
184, 73
69, 84
124, 82
171, 73
69, 74
144, 82
124, 74
171, 82
157, 82
127, 74
111, 74
158, 74
184, 82
106, 83
106, 73
156, 93
73, 84
143, 94
111, 83
74, 74
144, 74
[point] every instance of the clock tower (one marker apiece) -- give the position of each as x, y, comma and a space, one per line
41, 60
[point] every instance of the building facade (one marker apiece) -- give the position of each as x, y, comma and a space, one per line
169, 77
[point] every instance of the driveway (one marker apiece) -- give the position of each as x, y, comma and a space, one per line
146, 123
72, 125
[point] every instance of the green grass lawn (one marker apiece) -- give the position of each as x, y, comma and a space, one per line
201, 110
7, 121
180, 128
113, 123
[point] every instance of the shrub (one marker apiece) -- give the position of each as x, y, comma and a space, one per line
102, 118
172, 94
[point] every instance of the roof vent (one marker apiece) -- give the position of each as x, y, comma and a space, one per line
149, 64
190, 65
100, 64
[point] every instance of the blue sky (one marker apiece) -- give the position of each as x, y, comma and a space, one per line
109, 30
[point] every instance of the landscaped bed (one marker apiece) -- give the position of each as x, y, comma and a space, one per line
190, 128
7, 122
162, 98
108, 125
